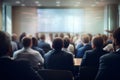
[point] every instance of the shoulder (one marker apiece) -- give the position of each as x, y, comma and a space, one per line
66, 53
33, 51
109, 56
49, 53
18, 51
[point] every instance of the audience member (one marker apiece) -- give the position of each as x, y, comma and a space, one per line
66, 42
58, 59
86, 46
20, 45
42, 44
35, 47
90, 61
28, 53
109, 66
11, 69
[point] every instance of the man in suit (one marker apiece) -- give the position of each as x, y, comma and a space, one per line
42, 44
86, 45
109, 68
58, 59
11, 69
90, 61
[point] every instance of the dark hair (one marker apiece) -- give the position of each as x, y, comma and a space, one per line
97, 41
66, 41
34, 41
5, 43
57, 43
22, 36
116, 35
42, 36
26, 41
61, 35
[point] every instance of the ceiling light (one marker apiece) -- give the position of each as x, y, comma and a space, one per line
22, 4
17, 2
58, 2
37, 2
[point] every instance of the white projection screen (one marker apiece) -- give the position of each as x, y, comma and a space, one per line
61, 20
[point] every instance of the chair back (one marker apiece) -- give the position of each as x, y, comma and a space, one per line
48, 74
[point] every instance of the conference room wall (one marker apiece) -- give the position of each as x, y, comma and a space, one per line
24, 19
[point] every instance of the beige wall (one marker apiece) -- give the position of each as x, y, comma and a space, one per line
24, 19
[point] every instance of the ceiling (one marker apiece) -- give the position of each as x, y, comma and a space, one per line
60, 3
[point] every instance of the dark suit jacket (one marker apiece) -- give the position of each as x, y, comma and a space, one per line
45, 46
82, 50
109, 68
16, 70
41, 51
59, 60
90, 63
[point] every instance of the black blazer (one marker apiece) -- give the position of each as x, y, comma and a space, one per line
45, 46
90, 63
59, 60
16, 70
109, 68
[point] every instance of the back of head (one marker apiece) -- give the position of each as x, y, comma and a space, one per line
27, 42
97, 42
34, 41
42, 36
116, 36
57, 43
66, 41
5, 43
14, 37
21, 36
62, 35
85, 38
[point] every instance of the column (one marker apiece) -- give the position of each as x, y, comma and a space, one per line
112, 16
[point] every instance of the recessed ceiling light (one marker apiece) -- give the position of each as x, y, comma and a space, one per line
37, 2
39, 5
22, 4
17, 2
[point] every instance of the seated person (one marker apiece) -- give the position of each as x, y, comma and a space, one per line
28, 53
58, 59
86, 45
11, 69
90, 61
109, 65
35, 47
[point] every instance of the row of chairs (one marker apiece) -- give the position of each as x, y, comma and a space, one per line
48, 74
